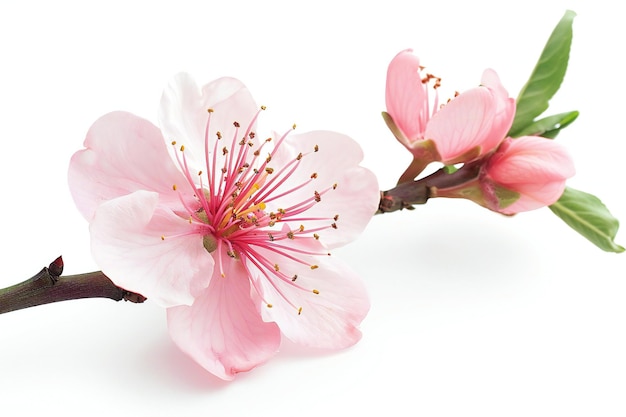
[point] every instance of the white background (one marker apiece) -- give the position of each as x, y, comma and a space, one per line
472, 313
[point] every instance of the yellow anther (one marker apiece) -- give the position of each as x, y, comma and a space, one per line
315, 291
263, 107
300, 311
174, 187
269, 305
316, 148
276, 267
173, 142
182, 148
314, 266
210, 110
316, 236
162, 237
294, 126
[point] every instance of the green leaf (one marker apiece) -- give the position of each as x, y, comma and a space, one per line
550, 126
587, 215
547, 76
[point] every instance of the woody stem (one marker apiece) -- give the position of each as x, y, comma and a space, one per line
47, 286
407, 194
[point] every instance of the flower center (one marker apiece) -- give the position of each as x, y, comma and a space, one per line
231, 202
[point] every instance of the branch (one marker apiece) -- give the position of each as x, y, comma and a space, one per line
47, 286
405, 195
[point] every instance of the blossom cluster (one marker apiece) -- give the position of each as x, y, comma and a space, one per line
515, 174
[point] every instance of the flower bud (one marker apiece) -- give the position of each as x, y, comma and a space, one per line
525, 174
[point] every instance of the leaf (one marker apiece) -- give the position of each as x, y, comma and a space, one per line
550, 126
547, 76
586, 214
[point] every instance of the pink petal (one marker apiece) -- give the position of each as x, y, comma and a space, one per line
126, 242
356, 196
223, 330
536, 196
406, 96
329, 319
504, 113
530, 159
462, 124
124, 154
183, 113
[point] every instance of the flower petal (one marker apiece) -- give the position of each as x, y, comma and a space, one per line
183, 113
223, 330
336, 162
529, 160
406, 96
330, 315
126, 242
462, 124
122, 153
504, 111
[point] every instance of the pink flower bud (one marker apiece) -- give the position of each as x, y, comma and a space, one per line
525, 174
469, 126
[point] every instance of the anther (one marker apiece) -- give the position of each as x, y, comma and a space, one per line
218, 134
315, 291
210, 110
300, 311
276, 268
314, 175
294, 278
269, 306
263, 107
318, 197
314, 266
182, 148
316, 236
316, 148
236, 124
174, 187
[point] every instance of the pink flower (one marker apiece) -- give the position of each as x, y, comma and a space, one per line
525, 174
467, 127
229, 231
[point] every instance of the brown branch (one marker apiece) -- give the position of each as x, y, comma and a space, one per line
407, 194
47, 286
